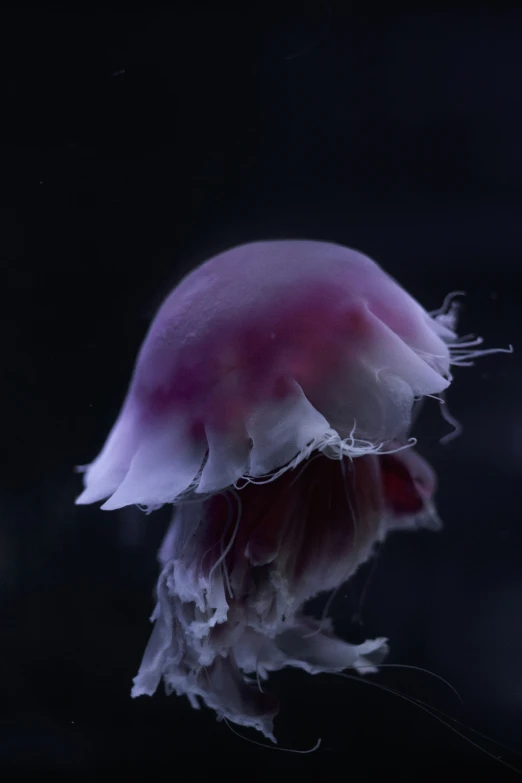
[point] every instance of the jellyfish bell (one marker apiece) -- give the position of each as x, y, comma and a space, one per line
271, 403
261, 354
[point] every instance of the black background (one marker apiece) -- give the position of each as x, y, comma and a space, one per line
137, 143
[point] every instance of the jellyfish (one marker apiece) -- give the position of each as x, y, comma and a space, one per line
271, 404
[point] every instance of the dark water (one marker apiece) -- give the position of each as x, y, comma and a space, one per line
135, 144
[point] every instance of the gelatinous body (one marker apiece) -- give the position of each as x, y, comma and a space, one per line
271, 403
